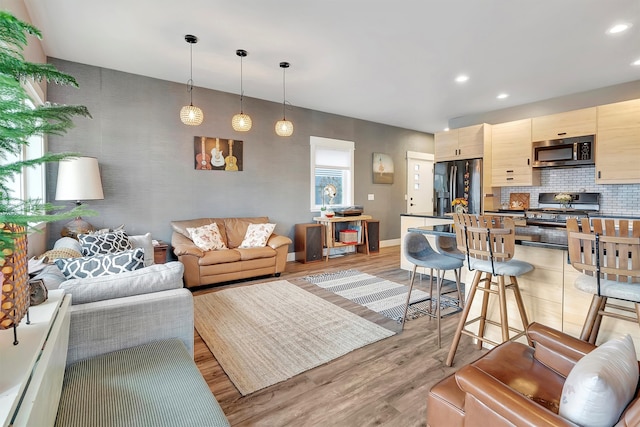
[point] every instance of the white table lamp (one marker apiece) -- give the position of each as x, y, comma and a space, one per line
78, 179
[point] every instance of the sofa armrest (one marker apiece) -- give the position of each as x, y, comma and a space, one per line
489, 399
110, 325
275, 241
184, 246
556, 350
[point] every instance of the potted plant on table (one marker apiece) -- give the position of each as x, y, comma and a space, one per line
18, 123
460, 204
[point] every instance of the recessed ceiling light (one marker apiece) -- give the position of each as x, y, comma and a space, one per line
446, 129
636, 62
503, 96
462, 78
618, 28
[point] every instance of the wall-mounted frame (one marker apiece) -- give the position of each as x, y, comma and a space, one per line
382, 169
217, 153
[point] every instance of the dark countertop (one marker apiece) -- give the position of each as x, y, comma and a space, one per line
548, 242
426, 215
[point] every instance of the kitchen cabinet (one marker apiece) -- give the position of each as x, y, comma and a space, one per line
618, 143
564, 125
462, 143
511, 155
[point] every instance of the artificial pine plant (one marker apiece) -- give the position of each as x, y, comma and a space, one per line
19, 122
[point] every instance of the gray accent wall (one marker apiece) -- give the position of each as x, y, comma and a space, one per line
146, 155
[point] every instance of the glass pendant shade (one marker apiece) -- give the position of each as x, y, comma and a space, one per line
191, 115
241, 122
284, 128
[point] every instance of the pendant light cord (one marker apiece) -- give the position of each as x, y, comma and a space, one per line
241, 90
190, 82
284, 94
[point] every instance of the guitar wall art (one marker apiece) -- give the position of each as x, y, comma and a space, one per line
221, 154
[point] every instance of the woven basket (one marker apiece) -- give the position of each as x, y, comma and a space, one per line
15, 283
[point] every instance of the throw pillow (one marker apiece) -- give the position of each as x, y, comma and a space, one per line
207, 237
106, 243
101, 265
145, 242
601, 384
257, 235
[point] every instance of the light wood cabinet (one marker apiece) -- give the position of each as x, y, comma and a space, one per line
462, 143
618, 143
564, 125
511, 155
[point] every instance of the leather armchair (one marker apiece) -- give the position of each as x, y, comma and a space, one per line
514, 384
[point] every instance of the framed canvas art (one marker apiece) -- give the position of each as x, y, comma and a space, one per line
382, 168
217, 154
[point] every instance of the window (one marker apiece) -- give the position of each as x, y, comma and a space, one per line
30, 184
331, 165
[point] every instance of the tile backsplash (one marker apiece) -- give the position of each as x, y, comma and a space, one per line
615, 199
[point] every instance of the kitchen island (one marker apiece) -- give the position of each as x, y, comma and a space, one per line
548, 292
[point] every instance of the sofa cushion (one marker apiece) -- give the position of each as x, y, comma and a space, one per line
145, 242
256, 253
101, 265
601, 384
219, 257
182, 225
104, 243
207, 237
236, 228
155, 278
257, 235
155, 384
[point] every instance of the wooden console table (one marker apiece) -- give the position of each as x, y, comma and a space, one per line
336, 224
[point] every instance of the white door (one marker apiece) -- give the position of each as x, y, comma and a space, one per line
419, 183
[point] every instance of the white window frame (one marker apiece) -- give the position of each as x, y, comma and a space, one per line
317, 142
31, 183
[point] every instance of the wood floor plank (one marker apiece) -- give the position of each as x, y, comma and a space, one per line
385, 383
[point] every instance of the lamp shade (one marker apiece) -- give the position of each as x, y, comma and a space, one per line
284, 128
79, 179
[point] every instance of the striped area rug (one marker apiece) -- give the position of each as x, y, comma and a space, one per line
383, 296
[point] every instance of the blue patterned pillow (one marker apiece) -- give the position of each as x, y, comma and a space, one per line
104, 243
101, 265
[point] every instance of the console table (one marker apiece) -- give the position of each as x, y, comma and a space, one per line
335, 224
31, 372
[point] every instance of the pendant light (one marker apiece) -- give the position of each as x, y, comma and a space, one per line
189, 114
284, 127
241, 122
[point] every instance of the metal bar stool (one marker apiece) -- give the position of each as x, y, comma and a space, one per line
418, 251
489, 244
607, 252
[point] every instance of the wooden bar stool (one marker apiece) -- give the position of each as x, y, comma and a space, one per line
489, 244
607, 252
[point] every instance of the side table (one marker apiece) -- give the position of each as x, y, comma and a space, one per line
160, 250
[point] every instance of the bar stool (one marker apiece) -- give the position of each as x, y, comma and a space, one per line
446, 245
488, 244
607, 252
418, 251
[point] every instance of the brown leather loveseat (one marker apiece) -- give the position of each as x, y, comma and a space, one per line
515, 385
216, 266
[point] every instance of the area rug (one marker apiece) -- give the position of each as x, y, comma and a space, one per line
384, 296
266, 333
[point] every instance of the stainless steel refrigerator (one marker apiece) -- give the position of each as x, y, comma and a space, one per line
457, 178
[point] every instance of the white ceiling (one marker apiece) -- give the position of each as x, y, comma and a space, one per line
391, 62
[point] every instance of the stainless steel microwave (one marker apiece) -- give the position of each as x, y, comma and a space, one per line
566, 152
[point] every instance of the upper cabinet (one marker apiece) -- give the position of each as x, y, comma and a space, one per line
618, 143
462, 143
564, 125
511, 155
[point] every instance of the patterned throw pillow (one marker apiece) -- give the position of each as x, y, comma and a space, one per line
257, 235
101, 265
207, 237
106, 243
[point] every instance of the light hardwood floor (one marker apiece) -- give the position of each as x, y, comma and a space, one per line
385, 383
